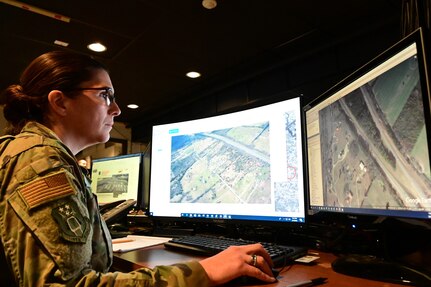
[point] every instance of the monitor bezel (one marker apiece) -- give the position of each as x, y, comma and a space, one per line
369, 215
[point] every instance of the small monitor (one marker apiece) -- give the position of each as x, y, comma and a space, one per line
244, 166
117, 178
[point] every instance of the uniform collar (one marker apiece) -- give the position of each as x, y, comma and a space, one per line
35, 127
42, 130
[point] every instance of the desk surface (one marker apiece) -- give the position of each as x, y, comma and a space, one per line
158, 255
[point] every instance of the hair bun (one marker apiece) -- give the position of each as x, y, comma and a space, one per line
15, 103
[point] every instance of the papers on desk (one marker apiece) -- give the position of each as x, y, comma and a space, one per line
132, 242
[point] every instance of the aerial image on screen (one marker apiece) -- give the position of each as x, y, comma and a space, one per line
115, 184
230, 165
378, 142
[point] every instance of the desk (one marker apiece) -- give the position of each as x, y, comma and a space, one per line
158, 255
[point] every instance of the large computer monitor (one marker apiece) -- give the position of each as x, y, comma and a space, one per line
117, 178
368, 139
241, 166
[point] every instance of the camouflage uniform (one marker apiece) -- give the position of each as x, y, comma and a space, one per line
50, 225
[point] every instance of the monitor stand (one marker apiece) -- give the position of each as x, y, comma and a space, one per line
374, 268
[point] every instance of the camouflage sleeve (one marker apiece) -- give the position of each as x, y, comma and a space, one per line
177, 275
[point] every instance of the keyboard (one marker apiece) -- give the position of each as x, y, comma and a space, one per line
115, 213
209, 245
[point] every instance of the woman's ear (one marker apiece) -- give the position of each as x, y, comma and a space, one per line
57, 102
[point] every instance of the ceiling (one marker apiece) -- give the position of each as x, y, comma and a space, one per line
153, 43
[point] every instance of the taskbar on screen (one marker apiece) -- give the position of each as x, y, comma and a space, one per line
243, 217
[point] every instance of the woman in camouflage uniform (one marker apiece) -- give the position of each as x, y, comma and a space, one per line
51, 230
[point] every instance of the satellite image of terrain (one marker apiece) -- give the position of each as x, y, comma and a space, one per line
377, 138
224, 166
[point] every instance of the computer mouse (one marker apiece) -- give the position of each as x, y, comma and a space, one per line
275, 272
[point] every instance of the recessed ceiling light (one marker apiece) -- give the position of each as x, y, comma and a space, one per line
96, 47
209, 4
132, 106
61, 43
193, 75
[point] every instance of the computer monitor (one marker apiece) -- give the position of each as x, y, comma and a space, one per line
240, 166
368, 139
117, 178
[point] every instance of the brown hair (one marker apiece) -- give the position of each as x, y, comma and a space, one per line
56, 70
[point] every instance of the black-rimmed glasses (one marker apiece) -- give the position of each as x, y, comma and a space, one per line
107, 94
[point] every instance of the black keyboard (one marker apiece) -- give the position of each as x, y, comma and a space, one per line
111, 215
281, 255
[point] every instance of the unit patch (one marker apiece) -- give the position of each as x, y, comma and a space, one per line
73, 225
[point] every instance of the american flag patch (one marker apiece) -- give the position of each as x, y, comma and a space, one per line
46, 189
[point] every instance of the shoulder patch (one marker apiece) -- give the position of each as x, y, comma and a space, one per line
45, 189
73, 225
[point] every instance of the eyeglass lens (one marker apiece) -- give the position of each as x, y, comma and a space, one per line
107, 94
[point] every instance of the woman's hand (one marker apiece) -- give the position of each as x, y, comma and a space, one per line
249, 260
